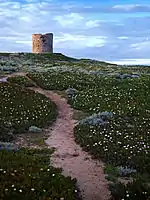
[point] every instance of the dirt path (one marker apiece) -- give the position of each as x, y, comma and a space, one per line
70, 157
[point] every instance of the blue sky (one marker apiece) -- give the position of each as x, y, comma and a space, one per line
110, 30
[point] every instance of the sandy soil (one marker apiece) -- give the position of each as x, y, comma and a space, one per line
70, 157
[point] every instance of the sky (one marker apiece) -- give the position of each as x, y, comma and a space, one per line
109, 30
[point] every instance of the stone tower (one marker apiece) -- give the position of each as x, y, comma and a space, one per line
42, 43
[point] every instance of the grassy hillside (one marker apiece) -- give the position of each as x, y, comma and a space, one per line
116, 101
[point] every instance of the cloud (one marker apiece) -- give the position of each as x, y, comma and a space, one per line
69, 19
123, 8
30, 18
92, 23
133, 62
77, 31
123, 37
131, 8
79, 41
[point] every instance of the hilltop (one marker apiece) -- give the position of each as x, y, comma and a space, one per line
47, 61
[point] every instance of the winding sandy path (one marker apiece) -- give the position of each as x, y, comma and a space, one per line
69, 156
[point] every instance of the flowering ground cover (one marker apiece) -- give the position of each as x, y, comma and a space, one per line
124, 143
129, 97
10, 62
21, 108
123, 140
21, 80
26, 174
54, 80
49, 56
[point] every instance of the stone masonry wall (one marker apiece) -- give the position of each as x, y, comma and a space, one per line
42, 43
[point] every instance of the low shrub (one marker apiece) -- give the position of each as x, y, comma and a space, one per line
136, 190
21, 80
24, 175
62, 80
115, 146
21, 108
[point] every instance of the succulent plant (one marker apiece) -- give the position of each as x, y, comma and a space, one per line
100, 118
71, 92
125, 171
8, 146
35, 129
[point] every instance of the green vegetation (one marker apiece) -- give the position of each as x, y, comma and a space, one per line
26, 174
62, 80
122, 141
21, 80
21, 108
115, 146
125, 140
43, 62
5, 54
49, 56
137, 190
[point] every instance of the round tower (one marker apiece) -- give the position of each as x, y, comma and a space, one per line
42, 43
